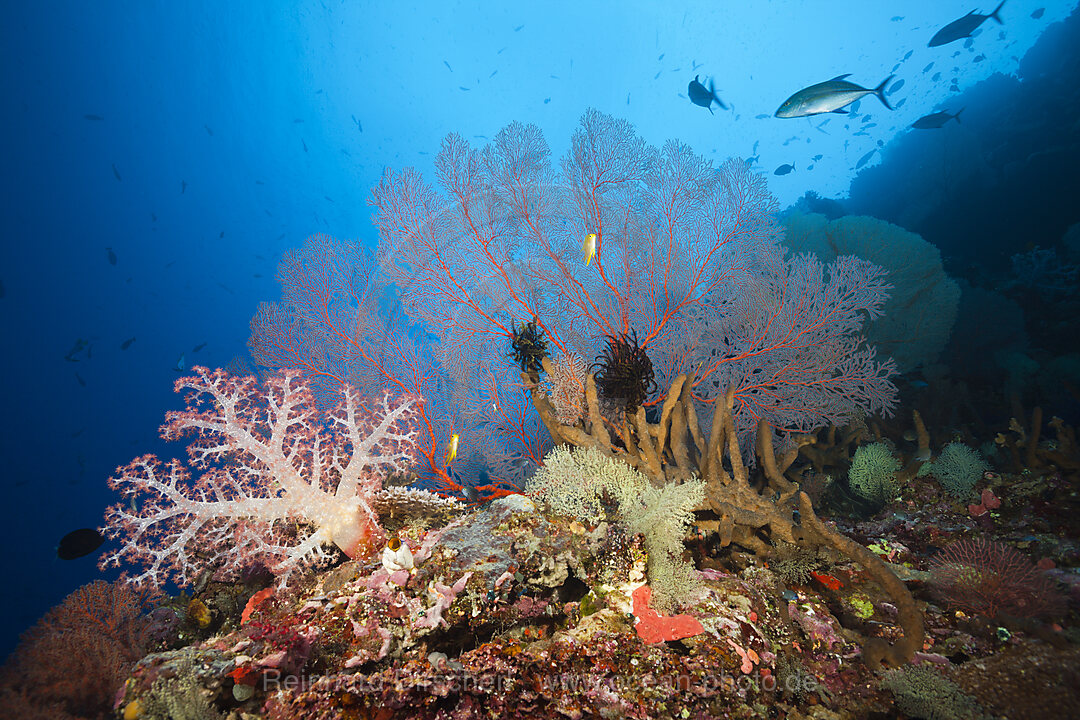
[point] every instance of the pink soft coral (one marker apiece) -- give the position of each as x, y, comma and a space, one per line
277, 482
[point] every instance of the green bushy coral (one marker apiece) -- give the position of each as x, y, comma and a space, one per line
873, 472
958, 468
923, 692
794, 563
577, 482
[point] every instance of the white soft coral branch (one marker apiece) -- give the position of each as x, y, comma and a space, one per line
277, 484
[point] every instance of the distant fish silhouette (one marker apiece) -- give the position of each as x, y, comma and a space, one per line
702, 96
198, 347
936, 120
181, 364
784, 169
99, 118
1038, 13
76, 348
79, 543
116, 173
127, 343
963, 27
111, 255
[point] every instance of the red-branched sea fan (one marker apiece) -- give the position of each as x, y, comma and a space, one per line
989, 578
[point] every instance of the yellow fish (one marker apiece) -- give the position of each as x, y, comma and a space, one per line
589, 247
451, 449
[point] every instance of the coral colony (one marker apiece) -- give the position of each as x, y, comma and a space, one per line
485, 474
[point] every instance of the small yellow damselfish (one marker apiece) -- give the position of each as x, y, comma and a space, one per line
451, 449
589, 247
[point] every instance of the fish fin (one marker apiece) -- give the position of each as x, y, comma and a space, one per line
880, 91
956, 117
712, 92
995, 14
841, 111
840, 77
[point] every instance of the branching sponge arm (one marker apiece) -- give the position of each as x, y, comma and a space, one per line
875, 651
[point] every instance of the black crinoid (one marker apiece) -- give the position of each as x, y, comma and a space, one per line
530, 347
625, 372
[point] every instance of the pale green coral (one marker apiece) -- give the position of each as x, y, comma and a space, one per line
575, 482
794, 563
958, 468
861, 605
921, 691
571, 480
873, 472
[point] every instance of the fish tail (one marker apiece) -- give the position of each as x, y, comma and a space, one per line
995, 14
956, 117
715, 97
880, 91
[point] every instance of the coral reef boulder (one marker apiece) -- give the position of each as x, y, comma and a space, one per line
918, 317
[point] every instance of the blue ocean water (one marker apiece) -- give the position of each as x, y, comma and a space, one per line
160, 157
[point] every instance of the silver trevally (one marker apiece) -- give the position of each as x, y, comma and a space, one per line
829, 96
963, 27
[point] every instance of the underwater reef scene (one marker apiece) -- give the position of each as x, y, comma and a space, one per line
725, 515
608, 433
